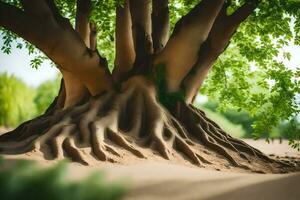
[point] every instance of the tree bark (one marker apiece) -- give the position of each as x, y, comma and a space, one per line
160, 24
93, 36
218, 40
125, 53
82, 23
75, 89
61, 44
141, 30
189, 34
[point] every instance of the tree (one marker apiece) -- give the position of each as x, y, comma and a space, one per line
15, 110
146, 102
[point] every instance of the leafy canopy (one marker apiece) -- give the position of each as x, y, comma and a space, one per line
248, 76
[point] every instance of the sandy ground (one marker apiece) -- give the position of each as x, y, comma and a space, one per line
156, 181
163, 181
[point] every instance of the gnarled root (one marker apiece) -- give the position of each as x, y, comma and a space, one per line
132, 123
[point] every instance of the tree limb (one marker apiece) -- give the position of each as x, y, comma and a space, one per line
82, 24
36, 7
93, 37
75, 90
243, 12
217, 41
189, 34
160, 24
60, 43
125, 53
140, 11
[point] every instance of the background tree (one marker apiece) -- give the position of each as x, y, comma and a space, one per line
45, 94
146, 102
14, 111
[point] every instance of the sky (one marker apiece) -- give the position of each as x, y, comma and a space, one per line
18, 64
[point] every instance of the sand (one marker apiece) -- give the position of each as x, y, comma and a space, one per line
159, 181
152, 180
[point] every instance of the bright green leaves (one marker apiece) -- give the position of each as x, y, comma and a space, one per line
8, 39
179, 8
67, 8
280, 103
168, 99
37, 61
268, 92
230, 79
249, 77
271, 21
103, 15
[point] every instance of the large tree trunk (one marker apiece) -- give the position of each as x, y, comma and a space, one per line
132, 112
133, 124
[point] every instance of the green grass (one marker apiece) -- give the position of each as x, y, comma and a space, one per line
26, 181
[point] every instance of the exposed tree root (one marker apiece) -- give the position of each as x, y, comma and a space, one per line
114, 125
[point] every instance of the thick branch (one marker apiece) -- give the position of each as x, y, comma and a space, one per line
75, 90
61, 44
93, 37
141, 30
160, 24
217, 41
125, 54
35, 7
181, 51
82, 25
243, 12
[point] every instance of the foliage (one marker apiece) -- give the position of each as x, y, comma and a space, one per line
291, 130
19, 102
248, 76
46, 93
268, 95
26, 181
16, 101
286, 129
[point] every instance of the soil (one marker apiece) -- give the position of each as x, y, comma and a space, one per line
159, 179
